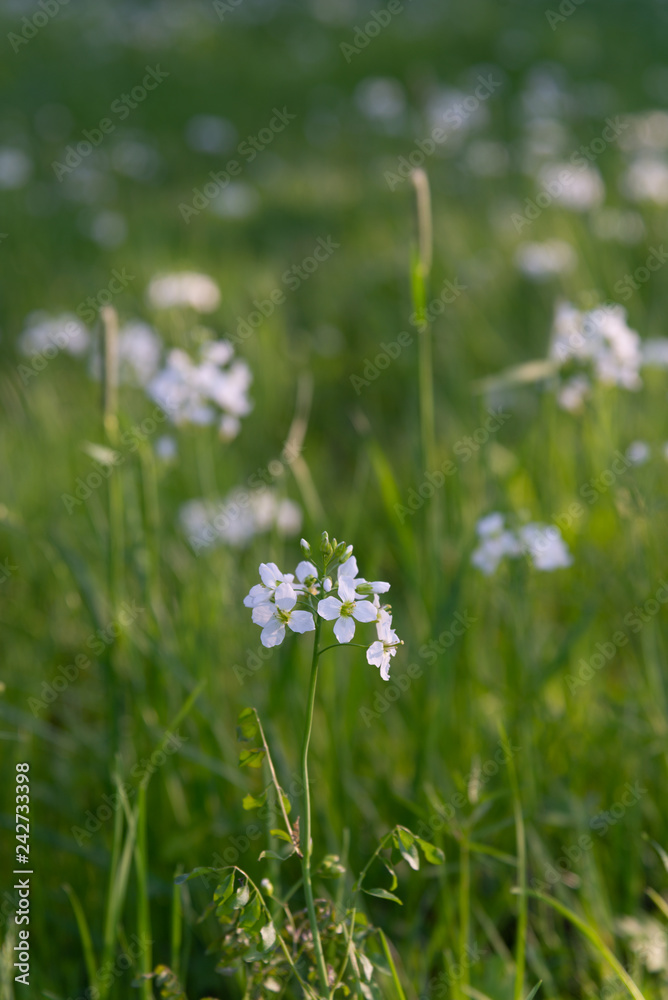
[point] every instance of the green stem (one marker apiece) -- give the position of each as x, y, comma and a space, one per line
306, 819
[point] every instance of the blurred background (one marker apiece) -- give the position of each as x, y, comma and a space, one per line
238, 171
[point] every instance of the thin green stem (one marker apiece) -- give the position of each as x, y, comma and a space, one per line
306, 820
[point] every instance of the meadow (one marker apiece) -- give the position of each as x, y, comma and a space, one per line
395, 274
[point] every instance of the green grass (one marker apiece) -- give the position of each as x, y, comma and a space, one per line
376, 763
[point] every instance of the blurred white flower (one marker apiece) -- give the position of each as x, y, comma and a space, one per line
542, 543
581, 190
572, 393
648, 939
545, 546
542, 260
15, 168
192, 393
600, 337
44, 335
210, 134
166, 448
638, 452
139, 350
184, 288
238, 518
647, 180
654, 352
108, 229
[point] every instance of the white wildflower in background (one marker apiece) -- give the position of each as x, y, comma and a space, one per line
580, 191
573, 392
543, 260
139, 354
542, 543
237, 519
44, 335
638, 452
15, 168
654, 352
648, 939
166, 448
184, 288
601, 342
295, 601
647, 180
195, 393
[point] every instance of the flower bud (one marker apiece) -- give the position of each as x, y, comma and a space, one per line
327, 584
325, 546
305, 547
339, 549
347, 554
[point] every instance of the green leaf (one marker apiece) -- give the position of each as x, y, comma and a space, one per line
276, 856
383, 894
251, 913
250, 802
282, 835
287, 805
195, 873
405, 841
393, 875
224, 890
247, 725
434, 855
242, 897
252, 758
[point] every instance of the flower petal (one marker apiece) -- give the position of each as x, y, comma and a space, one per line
305, 569
329, 608
348, 568
273, 634
263, 613
346, 589
385, 667
270, 574
285, 597
344, 629
375, 653
301, 621
364, 611
379, 587
257, 595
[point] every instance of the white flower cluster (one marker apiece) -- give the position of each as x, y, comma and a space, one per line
541, 542
193, 393
139, 354
295, 600
599, 339
46, 335
184, 288
238, 518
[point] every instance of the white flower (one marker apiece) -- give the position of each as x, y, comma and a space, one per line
601, 337
545, 546
166, 448
581, 190
65, 332
573, 392
185, 288
272, 579
346, 610
274, 617
304, 571
495, 543
380, 652
638, 452
348, 569
542, 260
655, 352
647, 180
